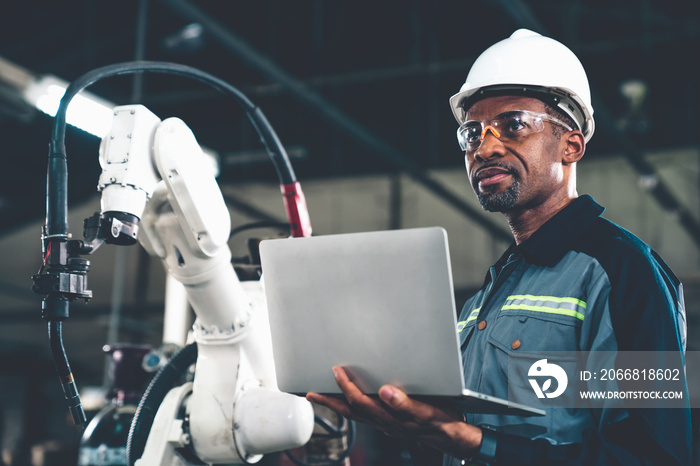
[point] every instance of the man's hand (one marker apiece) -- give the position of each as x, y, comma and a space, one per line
398, 415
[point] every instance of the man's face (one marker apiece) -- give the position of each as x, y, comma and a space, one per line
517, 174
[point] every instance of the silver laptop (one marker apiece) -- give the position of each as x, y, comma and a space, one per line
380, 304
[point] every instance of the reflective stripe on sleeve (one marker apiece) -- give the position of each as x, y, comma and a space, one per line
474, 314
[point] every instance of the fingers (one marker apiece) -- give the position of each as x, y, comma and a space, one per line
360, 405
336, 404
394, 411
346, 385
398, 415
408, 408
354, 412
399, 403
355, 404
394, 404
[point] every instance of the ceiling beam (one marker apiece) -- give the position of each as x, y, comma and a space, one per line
323, 81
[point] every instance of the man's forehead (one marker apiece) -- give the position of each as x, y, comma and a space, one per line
492, 106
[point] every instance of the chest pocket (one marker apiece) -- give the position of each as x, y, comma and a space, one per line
529, 323
529, 328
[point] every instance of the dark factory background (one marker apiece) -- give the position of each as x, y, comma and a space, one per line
358, 94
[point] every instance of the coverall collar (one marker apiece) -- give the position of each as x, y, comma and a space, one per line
556, 237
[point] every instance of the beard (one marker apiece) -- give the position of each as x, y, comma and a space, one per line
500, 201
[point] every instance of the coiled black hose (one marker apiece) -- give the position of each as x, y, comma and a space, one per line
164, 380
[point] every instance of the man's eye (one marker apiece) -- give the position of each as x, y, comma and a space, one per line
515, 123
472, 133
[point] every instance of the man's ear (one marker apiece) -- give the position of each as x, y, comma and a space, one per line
574, 145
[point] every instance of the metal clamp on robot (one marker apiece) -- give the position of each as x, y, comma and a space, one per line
156, 187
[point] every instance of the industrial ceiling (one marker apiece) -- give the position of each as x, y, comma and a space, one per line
350, 87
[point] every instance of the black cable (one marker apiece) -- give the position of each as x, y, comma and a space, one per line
65, 375
261, 224
140, 43
330, 428
164, 380
268, 136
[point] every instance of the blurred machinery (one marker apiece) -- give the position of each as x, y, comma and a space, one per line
105, 437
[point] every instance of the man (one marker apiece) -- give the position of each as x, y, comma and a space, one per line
571, 281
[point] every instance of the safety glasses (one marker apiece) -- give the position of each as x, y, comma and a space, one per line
507, 126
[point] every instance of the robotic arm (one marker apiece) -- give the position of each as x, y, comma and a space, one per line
153, 178
156, 172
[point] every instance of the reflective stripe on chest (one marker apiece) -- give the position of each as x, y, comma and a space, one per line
547, 304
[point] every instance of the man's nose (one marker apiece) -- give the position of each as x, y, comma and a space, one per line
491, 145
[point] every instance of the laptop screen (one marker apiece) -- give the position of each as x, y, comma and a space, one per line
381, 304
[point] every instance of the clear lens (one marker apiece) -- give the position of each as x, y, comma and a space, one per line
469, 134
509, 126
514, 125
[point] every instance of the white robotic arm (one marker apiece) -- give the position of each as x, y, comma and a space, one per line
155, 172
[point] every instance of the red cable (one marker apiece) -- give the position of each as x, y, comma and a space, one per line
295, 205
48, 252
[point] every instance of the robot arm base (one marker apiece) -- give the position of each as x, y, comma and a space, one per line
269, 420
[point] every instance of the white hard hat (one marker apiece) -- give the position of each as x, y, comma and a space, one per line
530, 64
